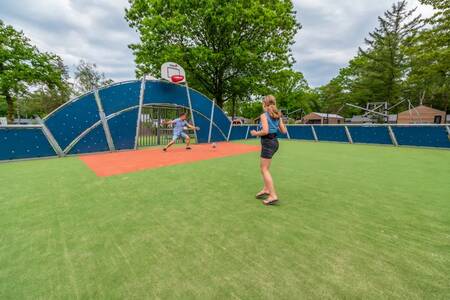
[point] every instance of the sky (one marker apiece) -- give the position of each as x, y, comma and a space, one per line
96, 31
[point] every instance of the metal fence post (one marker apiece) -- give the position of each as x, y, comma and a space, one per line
314, 134
191, 110
102, 115
392, 135
287, 132
448, 129
51, 139
211, 122
246, 135
349, 136
141, 103
229, 131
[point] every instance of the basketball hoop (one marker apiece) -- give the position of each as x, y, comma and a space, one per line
177, 78
173, 72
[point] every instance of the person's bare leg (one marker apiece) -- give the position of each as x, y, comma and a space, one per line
188, 142
265, 190
169, 144
268, 181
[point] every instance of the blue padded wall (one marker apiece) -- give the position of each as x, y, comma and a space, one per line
164, 92
203, 123
425, 136
370, 135
72, 119
120, 96
221, 120
282, 135
238, 133
200, 103
216, 135
331, 133
123, 129
252, 127
300, 133
94, 141
20, 143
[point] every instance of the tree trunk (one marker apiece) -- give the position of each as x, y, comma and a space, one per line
233, 108
10, 107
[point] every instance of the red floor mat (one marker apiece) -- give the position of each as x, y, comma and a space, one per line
108, 164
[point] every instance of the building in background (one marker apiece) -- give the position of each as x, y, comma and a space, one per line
321, 118
422, 115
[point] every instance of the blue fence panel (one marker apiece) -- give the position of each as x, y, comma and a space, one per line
123, 129
331, 133
370, 135
238, 133
300, 133
424, 136
119, 97
20, 143
94, 141
72, 119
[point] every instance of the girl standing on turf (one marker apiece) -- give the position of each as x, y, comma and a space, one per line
271, 123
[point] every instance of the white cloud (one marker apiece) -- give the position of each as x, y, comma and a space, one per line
332, 32
92, 30
96, 30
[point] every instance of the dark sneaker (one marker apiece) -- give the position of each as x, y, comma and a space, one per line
188, 148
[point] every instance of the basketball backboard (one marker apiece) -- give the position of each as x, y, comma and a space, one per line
171, 70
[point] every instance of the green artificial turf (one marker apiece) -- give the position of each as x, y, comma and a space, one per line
354, 222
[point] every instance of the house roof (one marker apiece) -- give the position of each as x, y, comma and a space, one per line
423, 108
323, 115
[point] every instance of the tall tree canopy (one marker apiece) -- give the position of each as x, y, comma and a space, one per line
226, 47
387, 63
88, 78
23, 66
429, 78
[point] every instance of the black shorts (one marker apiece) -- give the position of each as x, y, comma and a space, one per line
269, 146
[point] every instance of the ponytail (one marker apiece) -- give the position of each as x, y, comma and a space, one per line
271, 106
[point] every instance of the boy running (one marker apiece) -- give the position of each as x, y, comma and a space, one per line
178, 131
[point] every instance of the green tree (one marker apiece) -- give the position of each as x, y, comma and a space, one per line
349, 86
289, 87
44, 100
429, 78
226, 47
384, 71
23, 66
88, 78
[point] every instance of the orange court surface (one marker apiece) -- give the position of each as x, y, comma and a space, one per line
109, 164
